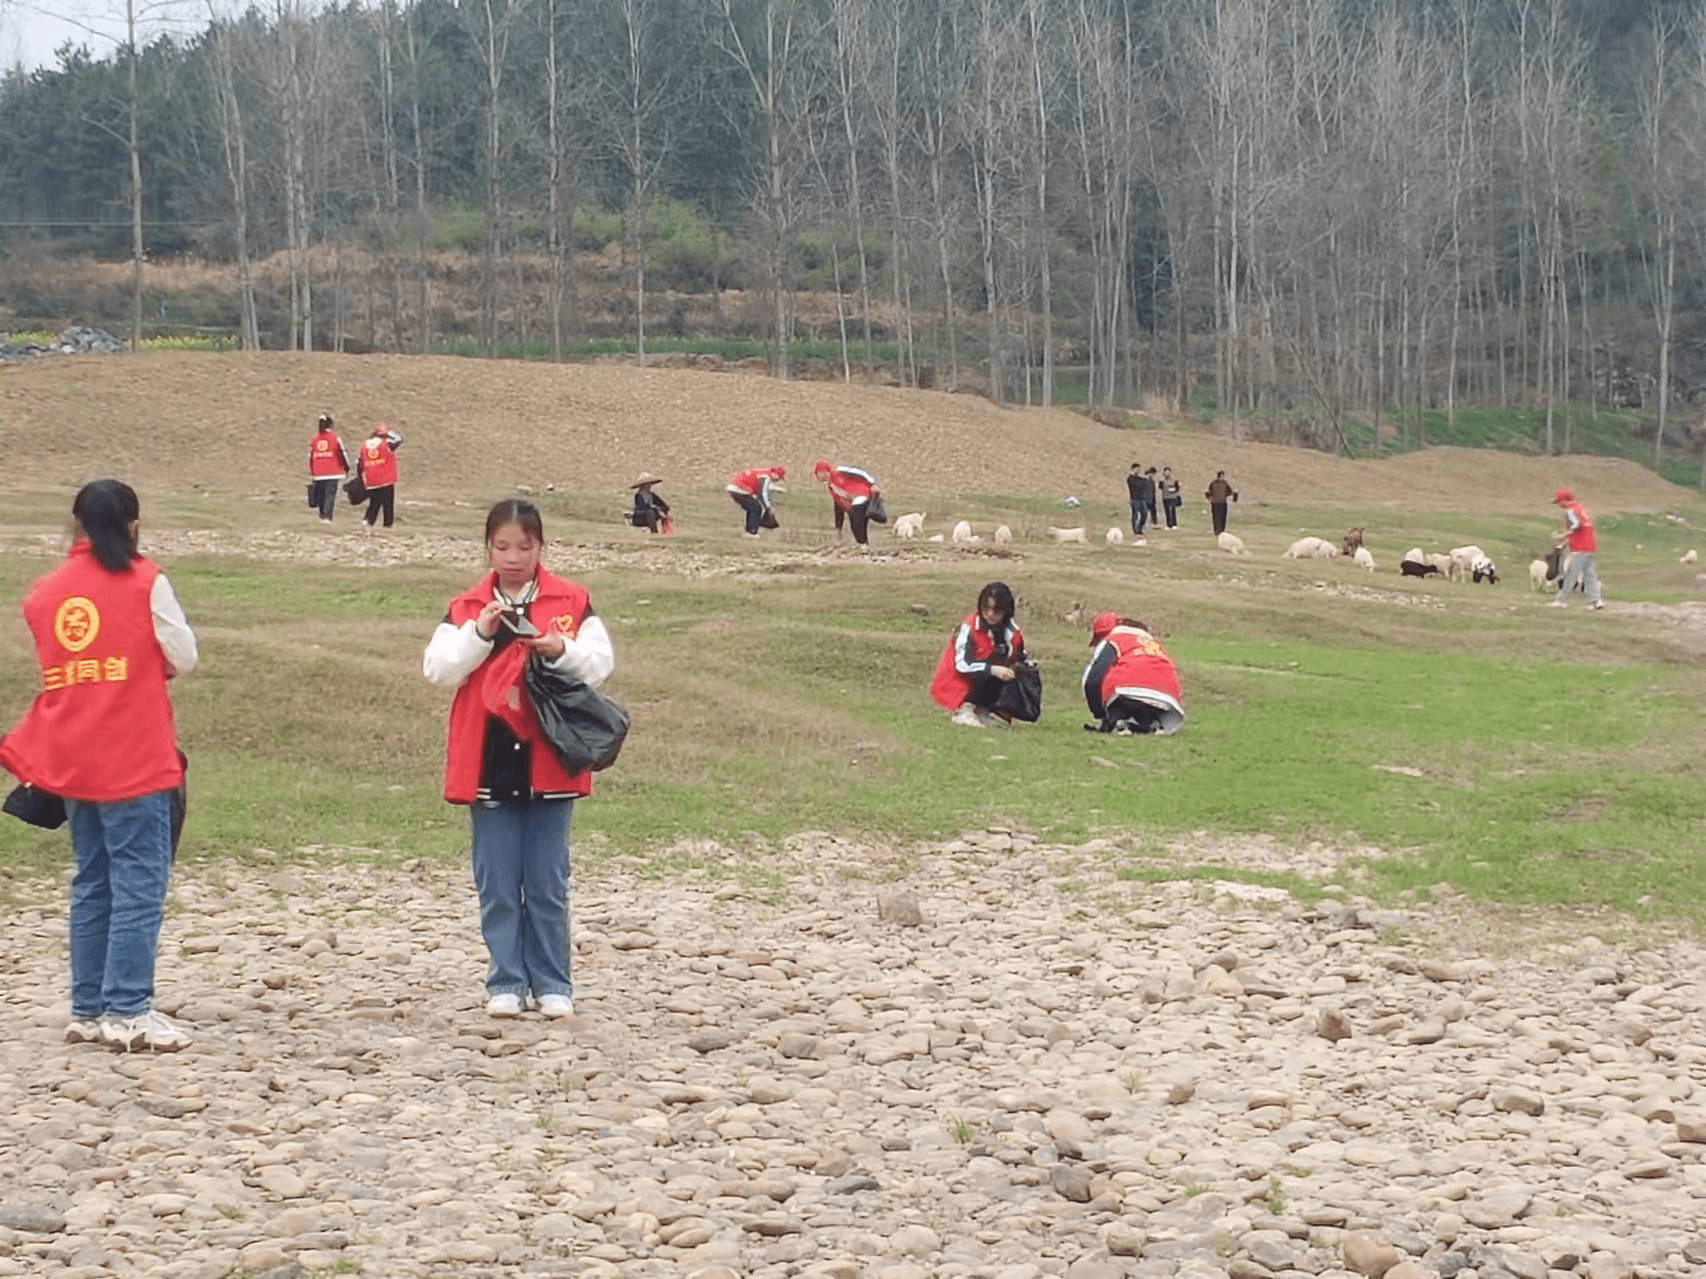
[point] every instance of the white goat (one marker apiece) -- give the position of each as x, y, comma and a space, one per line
1114, 537
1231, 543
962, 532
1537, 574
908, 527
1363, 559
1442, 563
1463, 561
1070, 535
1311, 548
1692, 557
1003, 535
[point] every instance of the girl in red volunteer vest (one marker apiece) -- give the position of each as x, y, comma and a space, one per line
851, 489
376, 460
1581, 571
498, 762
327, 464
979, 659
109, 633
1131, 685
751, 490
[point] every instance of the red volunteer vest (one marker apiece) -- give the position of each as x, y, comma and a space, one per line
101, 728
845, 489
1142, 663
323, 455
948, 686
496, 688
1582, 538
378, 463
747, 481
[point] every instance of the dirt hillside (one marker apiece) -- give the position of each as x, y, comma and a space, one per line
478, 427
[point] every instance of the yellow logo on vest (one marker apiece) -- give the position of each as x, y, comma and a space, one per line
77, 623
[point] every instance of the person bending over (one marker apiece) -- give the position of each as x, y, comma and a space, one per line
853, 493
752, 491
1130, 685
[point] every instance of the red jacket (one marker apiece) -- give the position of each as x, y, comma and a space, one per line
848, 486
1133, 663
326, 456
101, 729
1581, 534
971, 646
496, 688
378, 462
750, 481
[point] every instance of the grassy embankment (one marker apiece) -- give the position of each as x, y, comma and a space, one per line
1560, 753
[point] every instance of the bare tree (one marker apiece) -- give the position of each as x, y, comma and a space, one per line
234, 140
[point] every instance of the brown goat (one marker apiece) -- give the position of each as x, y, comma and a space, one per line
1351, 540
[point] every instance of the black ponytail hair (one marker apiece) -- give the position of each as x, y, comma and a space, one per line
519, 511
106, 511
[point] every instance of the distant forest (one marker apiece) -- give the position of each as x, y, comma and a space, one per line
1324, 207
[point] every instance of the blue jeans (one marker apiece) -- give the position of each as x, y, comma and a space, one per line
124, 860
1139, 514
521, 868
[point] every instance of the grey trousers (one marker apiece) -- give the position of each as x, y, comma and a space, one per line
1580, 569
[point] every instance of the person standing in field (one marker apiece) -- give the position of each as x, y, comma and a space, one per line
650, 510
1580, 568
100, 735
1141, 490
752, 491
499, 763
327, 465
980, 659
377, 464
1131, 684
1154, 496
1170, 498
1217, 494
853, 493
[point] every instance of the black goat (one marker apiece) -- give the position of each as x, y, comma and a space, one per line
1411, 568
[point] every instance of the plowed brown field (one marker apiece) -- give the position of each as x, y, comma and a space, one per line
240, 424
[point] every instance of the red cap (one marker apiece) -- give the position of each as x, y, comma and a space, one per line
778, 472
1101, 625
1563, 495
821, 469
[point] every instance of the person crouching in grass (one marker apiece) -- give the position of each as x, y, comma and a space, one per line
1130, 685
980, 659
499, 762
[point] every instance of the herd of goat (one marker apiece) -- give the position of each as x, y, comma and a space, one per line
1460, 564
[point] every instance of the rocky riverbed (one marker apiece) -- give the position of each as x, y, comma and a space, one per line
984, 1058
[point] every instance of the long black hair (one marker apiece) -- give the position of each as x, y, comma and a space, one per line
519, 511
107, 510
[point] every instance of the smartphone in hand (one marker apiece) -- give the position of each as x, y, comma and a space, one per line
519, 624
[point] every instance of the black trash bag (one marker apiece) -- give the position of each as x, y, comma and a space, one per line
356, 490
769, 519
585, 728
312, 500
1022, 696
875, 511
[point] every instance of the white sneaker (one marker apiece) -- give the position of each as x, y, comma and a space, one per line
80, 1031
1597, 604
152, 1030
503, 1006
969, 718
1560, 602
556, 1006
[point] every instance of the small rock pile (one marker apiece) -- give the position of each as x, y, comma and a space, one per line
76, 340
1005, 1063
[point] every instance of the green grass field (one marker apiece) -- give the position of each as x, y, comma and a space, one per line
1560, 753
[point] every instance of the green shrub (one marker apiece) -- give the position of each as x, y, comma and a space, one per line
459, 226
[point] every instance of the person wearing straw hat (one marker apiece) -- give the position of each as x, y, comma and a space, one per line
650, 510
1130, 685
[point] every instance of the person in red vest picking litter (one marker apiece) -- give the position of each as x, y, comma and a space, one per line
327, 464
377, 462
854, 494
1580, 568
752, 491
100, 736
1131, 685
981, 658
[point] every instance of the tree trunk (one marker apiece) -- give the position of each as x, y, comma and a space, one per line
135, 184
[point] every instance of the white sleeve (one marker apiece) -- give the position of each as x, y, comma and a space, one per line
171, 628
454, 653
588, 656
